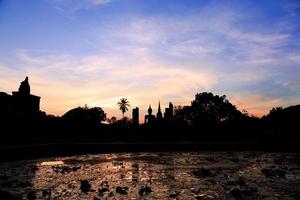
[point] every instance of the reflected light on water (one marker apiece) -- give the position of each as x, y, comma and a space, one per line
51, 163
169, 175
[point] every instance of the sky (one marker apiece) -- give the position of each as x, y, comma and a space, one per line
94, 52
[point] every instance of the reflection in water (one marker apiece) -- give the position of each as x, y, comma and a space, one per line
155, 176
50, 163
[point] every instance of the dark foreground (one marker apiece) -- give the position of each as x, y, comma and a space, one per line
13, 152
157, 175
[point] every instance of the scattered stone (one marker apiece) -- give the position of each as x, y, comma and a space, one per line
118, 164
203, 197
135, 166
64, 169
240, 182
201, 173
104, 187
273, 173
174, 194
31, 195
34, 168
210, 159
144, 190
111, 194
235, 160
122, 190
135, 178
85, 186
245, 193
46, 193
236, 193
102, 190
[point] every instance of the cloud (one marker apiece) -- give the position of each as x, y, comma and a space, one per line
145, 57
66, 81
69, 7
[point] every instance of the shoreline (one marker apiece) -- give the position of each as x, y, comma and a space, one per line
35, 151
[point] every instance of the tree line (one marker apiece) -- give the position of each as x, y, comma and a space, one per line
209, 117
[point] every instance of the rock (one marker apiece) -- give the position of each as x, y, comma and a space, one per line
104, 187
122, 190
195, 191
85, 186
201, 173
235, 160
46, 193
34, 168
247, 193
236, 193
31, 195
210, 159
111, 194
273, 173
144, 190
102, 190
240, 182
174, 194
64, 169
203, 197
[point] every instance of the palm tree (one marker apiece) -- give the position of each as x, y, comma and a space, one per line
123, 105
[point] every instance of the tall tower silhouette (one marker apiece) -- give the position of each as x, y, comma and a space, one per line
25, 102
135, 116
169, 112
159, 113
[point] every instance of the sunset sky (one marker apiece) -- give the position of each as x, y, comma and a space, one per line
94, 52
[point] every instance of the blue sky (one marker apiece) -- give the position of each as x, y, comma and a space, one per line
93, 52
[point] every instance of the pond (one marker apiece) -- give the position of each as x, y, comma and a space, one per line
163, 175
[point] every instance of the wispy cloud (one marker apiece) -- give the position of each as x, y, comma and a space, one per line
66, 81
146, 57
71, 6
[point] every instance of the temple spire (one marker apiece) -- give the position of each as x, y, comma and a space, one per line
159, 114
159, 110
150, 110
24, 88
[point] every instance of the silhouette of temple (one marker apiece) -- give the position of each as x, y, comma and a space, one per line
168, 115
135, 116
149, 118
21, 101
169, 112
159, 114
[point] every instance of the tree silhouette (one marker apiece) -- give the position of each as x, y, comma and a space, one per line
208, 108
85, 114
123, 105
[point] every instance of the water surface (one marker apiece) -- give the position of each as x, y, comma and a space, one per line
168, 175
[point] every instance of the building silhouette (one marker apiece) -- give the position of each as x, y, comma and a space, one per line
21, 102
135, 117
159, 113
168, 115
169, 112
149, 118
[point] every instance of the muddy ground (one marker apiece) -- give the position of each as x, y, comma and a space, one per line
167, 175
